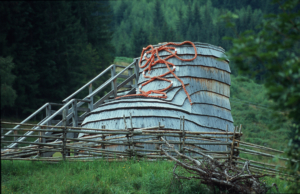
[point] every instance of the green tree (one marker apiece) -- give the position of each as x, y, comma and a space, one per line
139, 40
277, 48
56, 46
158, 21
8, 94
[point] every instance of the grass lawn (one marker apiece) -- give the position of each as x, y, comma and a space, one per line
98, 177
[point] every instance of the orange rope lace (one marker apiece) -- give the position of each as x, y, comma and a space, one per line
151, 62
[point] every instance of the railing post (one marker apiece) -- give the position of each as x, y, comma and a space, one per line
91, 103
114, 82
48, 113
75, 114
15, 133
130, 72
64, 133
136, 71
115, 87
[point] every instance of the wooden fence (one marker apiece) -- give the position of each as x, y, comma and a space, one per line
132, 141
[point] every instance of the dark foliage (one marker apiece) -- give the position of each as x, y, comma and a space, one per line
55, 46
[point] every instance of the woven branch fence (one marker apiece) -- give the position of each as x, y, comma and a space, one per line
88, 148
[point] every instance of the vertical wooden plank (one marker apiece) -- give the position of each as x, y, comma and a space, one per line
112, 74
75, 114
115, 87
159, 138
64, 133
126, 130
114, 82
74, 121
91, 103
183, 134
15, 133
136, 71
232, 145
41, 140
48, 113
130, 72
64, 143
103, 138
131, 134
180, 135
131, 122
227, 138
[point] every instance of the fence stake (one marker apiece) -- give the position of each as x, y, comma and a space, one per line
131, 134
180, 148
103, 138
183, 134
64, 141
15, 133
127, 134
227, 138
159, 138
232, 145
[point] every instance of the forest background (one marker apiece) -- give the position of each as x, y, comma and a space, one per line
49, 49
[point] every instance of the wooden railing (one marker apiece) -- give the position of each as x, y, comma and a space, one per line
72, 106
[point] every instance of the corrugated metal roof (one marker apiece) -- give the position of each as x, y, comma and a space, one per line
207, 80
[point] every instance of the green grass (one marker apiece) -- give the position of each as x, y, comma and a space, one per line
98, 177
92, 177
123, 61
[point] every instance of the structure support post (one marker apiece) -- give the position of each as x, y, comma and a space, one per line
183, 134
114, 82
180, 148
91, 103
74, 120
127, 135
227, 138
130, 72
48, 113
232, 145
131, 135
103, 138
64, 140
136, 71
